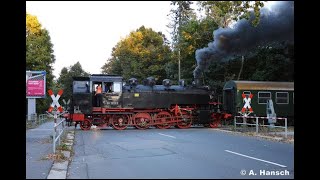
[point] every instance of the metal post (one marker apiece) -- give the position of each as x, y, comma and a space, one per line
31, 107
257, 125
286, 129
54, 143
235, 125
244, 120
55, 118
59, 137
241, 68
63, 132
55, 131
179, 64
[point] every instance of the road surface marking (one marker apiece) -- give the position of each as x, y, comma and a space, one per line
255, 158
166, 135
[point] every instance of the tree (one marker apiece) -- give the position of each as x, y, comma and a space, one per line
181, 13
225, 12
272, 64
142, 54
65, 80
195, 34
39, 55
33, 26
266, 64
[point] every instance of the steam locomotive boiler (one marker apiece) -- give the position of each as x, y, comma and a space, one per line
141, 105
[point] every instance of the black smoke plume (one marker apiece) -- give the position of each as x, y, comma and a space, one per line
276, 25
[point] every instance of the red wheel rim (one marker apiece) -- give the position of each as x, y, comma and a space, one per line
142, 120
85, 125
215, 120
164, 118
186, 120
120, 122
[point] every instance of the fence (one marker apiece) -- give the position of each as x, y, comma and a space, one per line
285, 127
37, 120
58, 132
31, 117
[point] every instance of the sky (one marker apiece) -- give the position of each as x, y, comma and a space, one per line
87, 31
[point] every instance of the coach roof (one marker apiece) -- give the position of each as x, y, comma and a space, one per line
105, 77
260, 85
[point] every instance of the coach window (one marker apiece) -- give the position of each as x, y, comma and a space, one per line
282, 97
263, 97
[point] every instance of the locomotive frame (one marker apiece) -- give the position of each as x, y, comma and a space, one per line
141, 106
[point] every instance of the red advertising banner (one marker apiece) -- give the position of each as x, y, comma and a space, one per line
35, 88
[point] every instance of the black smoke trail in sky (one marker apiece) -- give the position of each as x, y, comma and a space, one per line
276, 25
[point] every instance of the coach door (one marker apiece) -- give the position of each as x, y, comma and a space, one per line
229, 100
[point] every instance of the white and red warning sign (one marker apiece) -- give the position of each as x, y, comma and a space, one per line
55, 100
247, 102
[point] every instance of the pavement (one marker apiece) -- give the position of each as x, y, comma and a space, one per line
194, 153
39, 147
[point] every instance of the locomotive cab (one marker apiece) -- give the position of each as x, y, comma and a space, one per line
81, 95
111, 90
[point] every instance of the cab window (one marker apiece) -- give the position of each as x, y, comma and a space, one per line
80, 86
117, 87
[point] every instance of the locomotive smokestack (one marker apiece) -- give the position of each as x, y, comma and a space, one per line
276, 25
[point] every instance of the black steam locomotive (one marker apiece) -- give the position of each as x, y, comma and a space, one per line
142, 105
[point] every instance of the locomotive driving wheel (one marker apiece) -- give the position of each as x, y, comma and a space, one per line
120, 122
85, 125
215, 120
164, 118
185, 120
142, 120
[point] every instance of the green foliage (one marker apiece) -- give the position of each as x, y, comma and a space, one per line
265, 64
142, 54
224, 12
271, 64
195, 35
63, 147
181, 13
65, 79
39, 56
191, 33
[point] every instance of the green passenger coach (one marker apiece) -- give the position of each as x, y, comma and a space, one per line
281, 93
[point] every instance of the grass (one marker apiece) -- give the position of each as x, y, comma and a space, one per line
63, 147
263, 131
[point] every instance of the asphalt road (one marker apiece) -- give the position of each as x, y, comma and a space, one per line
177, 153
